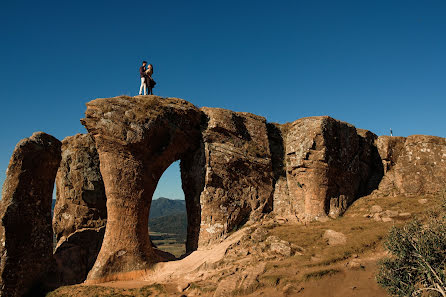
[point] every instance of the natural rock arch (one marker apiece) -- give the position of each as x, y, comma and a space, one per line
225, 168
137, 140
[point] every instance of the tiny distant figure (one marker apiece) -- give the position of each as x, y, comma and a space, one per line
150, 81
391, 132
142, 73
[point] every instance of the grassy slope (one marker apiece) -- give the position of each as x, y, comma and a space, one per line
320, 269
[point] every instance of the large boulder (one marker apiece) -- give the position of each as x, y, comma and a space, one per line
80, 212
328, 165
232, 172
417, 165
26, 236
137, 139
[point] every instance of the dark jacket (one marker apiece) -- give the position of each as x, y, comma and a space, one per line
142, 71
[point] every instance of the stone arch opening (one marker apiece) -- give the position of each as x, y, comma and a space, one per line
168, 215
139, 140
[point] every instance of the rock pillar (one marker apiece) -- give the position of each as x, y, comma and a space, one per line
26, 236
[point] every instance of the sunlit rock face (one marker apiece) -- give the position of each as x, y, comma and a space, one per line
80, 212
414, 165
328, 165
233, 169
26, 235
137, 139
234, 166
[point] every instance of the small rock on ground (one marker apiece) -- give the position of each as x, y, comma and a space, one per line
335, 238
376, 208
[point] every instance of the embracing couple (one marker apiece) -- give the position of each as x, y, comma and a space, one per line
147, 81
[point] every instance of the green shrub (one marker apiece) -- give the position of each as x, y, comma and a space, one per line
418, 259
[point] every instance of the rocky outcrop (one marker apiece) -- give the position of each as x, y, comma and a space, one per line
328, 165
233, 171
80, 212
25, 212
415, 165
137, 139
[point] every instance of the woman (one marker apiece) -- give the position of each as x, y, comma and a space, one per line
150, 82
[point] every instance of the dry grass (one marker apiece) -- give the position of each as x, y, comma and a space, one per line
99, 291
320, 273
318, 262
364, 235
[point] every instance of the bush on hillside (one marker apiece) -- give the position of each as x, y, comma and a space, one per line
417, 266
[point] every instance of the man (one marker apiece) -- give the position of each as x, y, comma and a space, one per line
142, 73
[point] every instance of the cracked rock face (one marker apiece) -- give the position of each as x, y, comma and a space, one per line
328, 165
80, 212
137, 139
25, 210
235, 172
417, 164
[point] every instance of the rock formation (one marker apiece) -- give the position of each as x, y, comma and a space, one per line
25, 211
137, 140
233, 170
328, 164
80, 212
415, 165
235, 167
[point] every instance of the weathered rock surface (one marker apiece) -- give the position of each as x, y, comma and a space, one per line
235, 174
328, 165
335, 238
80, 212
26, 243
137, 139
417, 165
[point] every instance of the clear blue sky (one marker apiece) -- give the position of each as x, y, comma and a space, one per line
376, 64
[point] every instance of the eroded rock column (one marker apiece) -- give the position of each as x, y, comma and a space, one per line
137, 139
328, 165
80, 212
26, 243
232, 171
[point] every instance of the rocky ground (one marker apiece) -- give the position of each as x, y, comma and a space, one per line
274, 257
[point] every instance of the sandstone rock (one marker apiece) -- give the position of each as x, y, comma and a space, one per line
250, 277
376, 208
335, 238
259, 235
422, 201
183, 287
282, 248
25, 212
80, 212
420, 167
137, 139
390, 148
283, 202
328, 165
236, 175
377, 217
279, 246
391, 213
386, 219
405, 214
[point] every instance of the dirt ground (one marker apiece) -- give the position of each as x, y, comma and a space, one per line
319, 269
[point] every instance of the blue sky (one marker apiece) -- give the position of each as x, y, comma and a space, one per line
375, 64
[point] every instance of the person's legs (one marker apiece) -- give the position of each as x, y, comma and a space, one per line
143, 85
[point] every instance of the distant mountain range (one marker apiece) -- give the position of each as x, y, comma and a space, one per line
164, 207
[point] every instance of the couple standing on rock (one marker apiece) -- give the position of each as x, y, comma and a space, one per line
147, 81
